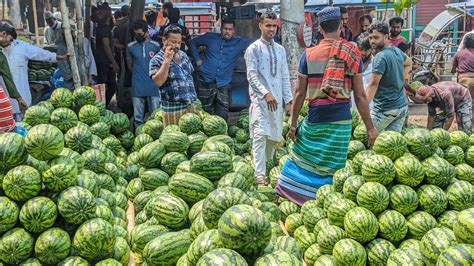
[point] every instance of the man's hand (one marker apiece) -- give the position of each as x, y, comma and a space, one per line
90, 78
373, 134
61, 57
288, 108
271, 102
169, 54
199, 62
291, 133
22, 104
115, 67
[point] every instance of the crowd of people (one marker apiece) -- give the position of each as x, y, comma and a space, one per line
157, 65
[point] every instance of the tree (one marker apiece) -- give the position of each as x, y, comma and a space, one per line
399, 5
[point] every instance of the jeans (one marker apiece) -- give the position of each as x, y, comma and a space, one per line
152, 102
391, 120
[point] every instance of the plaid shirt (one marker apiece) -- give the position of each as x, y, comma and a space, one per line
448, 96
179, 87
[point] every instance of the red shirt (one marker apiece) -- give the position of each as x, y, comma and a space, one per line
7, 123
464, 62
395, 42
448, 95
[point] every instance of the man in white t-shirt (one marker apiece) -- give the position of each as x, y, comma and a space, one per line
365, 49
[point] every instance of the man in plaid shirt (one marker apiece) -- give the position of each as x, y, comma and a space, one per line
446, 100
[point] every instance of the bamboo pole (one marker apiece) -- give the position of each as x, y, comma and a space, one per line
80, 41
70, 44
35, 19
4, 9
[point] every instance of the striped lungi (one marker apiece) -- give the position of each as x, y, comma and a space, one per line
319, 151
172, 111
7, 123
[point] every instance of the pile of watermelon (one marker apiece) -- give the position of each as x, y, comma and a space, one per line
63, 186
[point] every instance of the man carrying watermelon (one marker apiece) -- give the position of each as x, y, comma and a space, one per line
447, 100
328, 73
171, 70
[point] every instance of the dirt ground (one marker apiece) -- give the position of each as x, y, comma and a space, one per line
418, 115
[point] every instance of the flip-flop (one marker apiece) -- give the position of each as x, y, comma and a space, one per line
262, 181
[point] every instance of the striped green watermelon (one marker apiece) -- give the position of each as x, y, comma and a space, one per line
152, 178
405, 256
126, 139
409, 171
355, 146
64, 119
134, 187
119, 123
75, 156
325, 260
339, 177
312, 216
278, 257
378, 169
143, 233
454, 154
447, 219
61, 97
38, 214
190, 123
195, 210
373, 196
461, 254
78, 139
438, 171
271, 210
8, 215
183, 167
204, 243
52, 246
108, 262
101, 106
360, 134
94, 239
410, 243
76, 205
337, 211
16, 246
241, 136
221, 256
12, 151
469, 156
83, 95
31, 262
40, 166
107, 117
421, 143
459, 138
121, 251
170, 211
121, 200
171, 160
328, 237
104, 212
22, 183
217, 146
141, 140
218, 201
196, 141
212, 165
352, 186
141, 200
88, 180
359, 159
312, 254
464, 172
322, 193
432, 199
245, 169
190, 187
460, 195
419, 223
439, 152
214, 125
392, 226
151, 154
464, 226
378, 251
442, 137
167, 248
391, 144
36, 115
94, 160
44, 142
89, 114
234, 180
197, 227
153, 128
61, 174
175, 141
245, 229
287, 208
47, 104
293, 221
108, 196
403, 199
305, 239
222, 138
113, 143
434, 242
349, 252
288, 245
361, 224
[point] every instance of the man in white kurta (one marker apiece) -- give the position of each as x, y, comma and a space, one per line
270, 93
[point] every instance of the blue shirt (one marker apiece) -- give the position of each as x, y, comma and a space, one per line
141, 54
220, 57
179, 87
389, 64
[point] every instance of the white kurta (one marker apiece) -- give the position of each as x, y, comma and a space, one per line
18, 54
267, 71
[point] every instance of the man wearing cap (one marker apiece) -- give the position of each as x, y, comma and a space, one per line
327, 75
53, 31
446, 100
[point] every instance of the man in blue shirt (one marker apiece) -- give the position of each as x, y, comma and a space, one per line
139, 53
222, 51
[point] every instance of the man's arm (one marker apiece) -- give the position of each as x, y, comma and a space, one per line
363, 106
109, 54
286, 86
455, 63
407, 67
195, 43
159, 68
430, 122
251, 61
373, 86
35, 53
129, 59
299, 98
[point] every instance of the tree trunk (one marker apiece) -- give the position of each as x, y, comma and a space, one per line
70, 44
80, 42
14, 14
292, 14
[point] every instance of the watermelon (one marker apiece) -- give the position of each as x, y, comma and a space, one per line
355, 146
378, 169
361, 224
88, 180
108, 196
464, 226
167, 248
151, 154
312, 254
64, 119
47, 104
439, 152
469, 156
221, 138
434, 242
40, 166
75, 156
360, 134
447, 219
352, 186
339, 177
349, 252
38, 214
12, 151
205, 242
461, 254
410, 243
113, 144
189, 123
293, 221
105, 213
337, 211
359, 159
421, 143
212, 165
373, 196
287, 208
134, 187
438, 171
153, 128
322, 193
175, 141
195, 210
405, 256
465, 172
432, 199
460, 195
419, 223
76, 205
403, 199
141, 140
454, 154
378, 251
244, 229
94, 160
170, 211
52, 246
152, 178
183, 167
119, 123
141, 199
442, 137
61, 174
171, 160
214, 125
311, 213
218, 201
83, 95
305, 239
44, 142
121, 251
392, 226
288, 245
8, 215
31, 262
190, 187
143, 233
459, 138
196, 141
234, 180
36, 115
197, 227
22, 183
409, 171
89, 114
328, 237
221, 256
94, 239
61, 97
391, 144
217, 146
108, 262
16, 245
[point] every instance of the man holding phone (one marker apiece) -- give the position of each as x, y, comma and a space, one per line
171, 70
